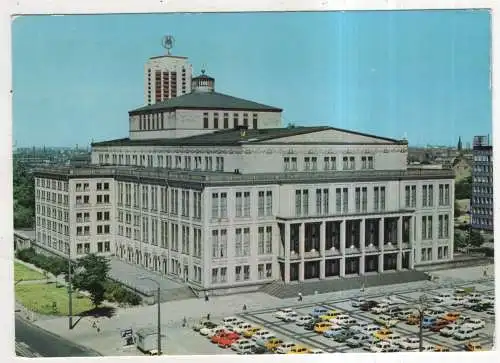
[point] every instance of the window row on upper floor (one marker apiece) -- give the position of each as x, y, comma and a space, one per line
327, 163
51, 184
179, 162
214, 120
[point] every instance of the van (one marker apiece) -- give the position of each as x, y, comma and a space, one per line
428, 321
245, 348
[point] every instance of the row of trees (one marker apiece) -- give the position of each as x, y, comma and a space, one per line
24, 196
90, 274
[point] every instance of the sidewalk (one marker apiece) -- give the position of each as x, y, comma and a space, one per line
108, 341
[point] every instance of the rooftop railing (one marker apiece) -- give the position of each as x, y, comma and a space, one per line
215, 177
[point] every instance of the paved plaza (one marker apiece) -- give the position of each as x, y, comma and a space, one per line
183, 340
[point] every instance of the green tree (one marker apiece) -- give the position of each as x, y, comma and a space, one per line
476, 239
457, 212
463, 188
91, 274
24, 196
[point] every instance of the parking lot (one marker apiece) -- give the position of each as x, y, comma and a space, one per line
289, 331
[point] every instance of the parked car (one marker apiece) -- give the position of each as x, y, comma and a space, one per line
226, 340
318, 311
405, 313
225, 335
451, 316
481, 307
393, 338
475, 323
259, 350
316, 351
262, 339
440, 348
333, 331
439, 324
329, 315
356, 303
443, 297
340, 319
449, 330
290, 317
323, 326
413, 319
241, 341
231, 321
436, 312
380, 308
273, 343
299, 349
386, 320
302, 320
367, 343
261, 333
359, 326
204, 324
391, 349
428, 321
242, 327
284, 348
382, 333
343, 336
310, 325
282, 313
465, 332
380, 346
210, 332
371, 329
356, 340
409, 343
473, 346
243, 348
367, 305
251, 331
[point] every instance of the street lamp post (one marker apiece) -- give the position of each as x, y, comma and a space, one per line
70, 290
158, 313
422, 300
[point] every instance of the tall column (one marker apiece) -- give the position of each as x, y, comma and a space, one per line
322, 248
342, 248
362, 235
400, 232
287, 252
399, 261
302, 246
381, 244
412, 259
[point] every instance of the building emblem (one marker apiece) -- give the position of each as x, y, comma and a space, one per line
168, 42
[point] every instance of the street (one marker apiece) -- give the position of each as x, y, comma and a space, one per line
32, 341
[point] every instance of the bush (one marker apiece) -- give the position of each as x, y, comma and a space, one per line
117, 293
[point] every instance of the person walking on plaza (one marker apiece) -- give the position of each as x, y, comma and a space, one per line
184, 322
208, 316
244, 307
300, 296
206, 296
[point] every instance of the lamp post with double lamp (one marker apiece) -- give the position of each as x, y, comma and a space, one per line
158, 313
422, 307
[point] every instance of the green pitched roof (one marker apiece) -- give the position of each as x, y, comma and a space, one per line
207, 100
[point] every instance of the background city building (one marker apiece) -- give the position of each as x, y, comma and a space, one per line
482, 184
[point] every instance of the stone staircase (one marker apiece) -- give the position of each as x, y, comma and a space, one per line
283, 291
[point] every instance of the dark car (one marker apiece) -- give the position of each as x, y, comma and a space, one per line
481, 307
343, 336
367, 305
257, 349
311, 324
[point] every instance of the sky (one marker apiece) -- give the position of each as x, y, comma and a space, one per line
423, 75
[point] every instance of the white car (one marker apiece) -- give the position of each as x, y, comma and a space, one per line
231, 321
371, 329
290, 317
449, 330
242, 327
282, 313
284, 348
386, 320
317, 351
302, 320
359, 326
380, 346
465, 332
426, 347
240, 342
458, 301
211, 332
260, 334
340, 319
475, 323
380, 308
409, 343
441, 297
393, 338
357, 302
435, 312
262, 340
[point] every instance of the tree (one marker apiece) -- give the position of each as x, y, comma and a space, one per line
24, 197
476, 239
90, 275
457, 212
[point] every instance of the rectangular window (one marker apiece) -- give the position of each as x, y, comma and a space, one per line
255, 121
319, 203
238, 242
364, 199
235, 120
226, 120
407, 196
269, 240
205, 120
298, 202
345, 200
260, 204
215, 205
357, 199
305, 202
216, 120
338, 200
260, 242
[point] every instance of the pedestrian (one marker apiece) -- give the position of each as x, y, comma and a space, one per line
300, 296
184, 322
206, 296
208, 316
244, 307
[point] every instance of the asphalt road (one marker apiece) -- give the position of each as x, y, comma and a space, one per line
32, 341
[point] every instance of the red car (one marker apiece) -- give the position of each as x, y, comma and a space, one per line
440, 324
227, 340
226, 334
